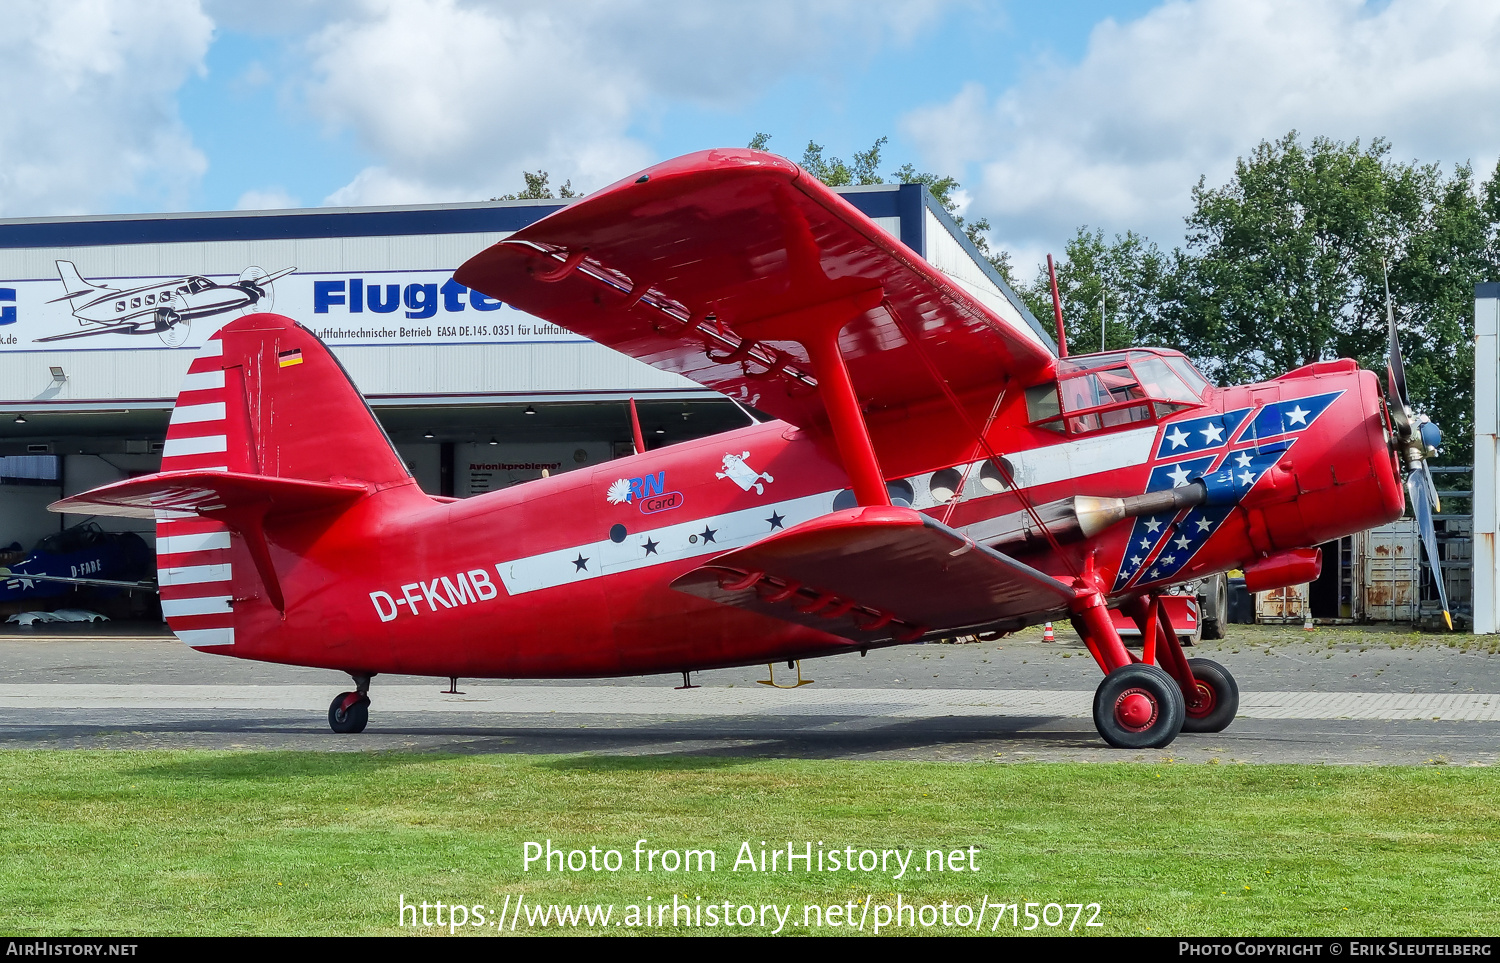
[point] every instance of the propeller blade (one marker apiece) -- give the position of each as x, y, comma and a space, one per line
1395, 371
1423, 494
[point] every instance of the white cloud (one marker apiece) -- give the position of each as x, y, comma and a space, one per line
457, 99
87, 104
1118, 140
266, 199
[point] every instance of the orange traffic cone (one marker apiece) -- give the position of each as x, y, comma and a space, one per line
1047, 635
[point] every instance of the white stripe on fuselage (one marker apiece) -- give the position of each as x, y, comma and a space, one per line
1086, 456
577, 563
672, 543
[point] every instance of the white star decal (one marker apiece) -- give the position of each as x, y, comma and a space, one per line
1212, 434
1179, 477
1243, 460
1204, 524
1182, 542
1155, 572
1146, 544
1152, 524
1135, 560
1297, 416
1246, 478
1178, 438
1169, 560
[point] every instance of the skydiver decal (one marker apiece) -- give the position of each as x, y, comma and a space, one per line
737, 471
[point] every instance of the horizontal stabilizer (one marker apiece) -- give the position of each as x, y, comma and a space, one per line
873, 574
207, 493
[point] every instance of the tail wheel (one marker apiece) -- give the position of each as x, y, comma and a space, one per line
1219, 698
1138, 706
349, 715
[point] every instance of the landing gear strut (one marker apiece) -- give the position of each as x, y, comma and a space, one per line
1145, 701
350, 711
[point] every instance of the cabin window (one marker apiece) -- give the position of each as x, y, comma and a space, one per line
1104, 391
119, 305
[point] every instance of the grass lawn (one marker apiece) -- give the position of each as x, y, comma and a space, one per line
300, 843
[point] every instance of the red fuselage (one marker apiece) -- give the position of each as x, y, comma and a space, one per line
570, 576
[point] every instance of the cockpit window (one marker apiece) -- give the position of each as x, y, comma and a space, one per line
1189, 374
1163, 381
1097, 392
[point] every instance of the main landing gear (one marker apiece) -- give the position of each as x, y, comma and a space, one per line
1145, 701
350, 711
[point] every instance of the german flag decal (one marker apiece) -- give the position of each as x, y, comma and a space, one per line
288, 358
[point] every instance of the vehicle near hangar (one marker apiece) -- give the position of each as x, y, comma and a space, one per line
931, 468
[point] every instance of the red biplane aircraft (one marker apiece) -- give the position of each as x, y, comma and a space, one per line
935, 469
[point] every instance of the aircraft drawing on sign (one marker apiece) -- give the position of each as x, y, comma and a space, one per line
938, 470
164, 308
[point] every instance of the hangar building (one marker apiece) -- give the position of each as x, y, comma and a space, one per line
100, 316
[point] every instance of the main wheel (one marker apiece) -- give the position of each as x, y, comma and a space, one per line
1215, 611
352, 719
1138, 706
1219, 698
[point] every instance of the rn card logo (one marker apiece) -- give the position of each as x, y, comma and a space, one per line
737, 471
648, 492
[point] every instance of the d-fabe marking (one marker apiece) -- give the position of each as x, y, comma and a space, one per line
464, 588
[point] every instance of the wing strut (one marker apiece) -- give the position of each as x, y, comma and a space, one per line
979, 436
817, 329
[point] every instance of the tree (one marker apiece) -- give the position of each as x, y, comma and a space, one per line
537, 189
1284, 267
835, 173
1125, 280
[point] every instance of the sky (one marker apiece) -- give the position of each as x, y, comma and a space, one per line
1102, 113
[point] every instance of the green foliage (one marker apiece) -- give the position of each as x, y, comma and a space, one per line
1125, 280
537, 189
1283, 267
835, 173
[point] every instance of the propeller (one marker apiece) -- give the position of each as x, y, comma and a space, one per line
1416, 439
255, 281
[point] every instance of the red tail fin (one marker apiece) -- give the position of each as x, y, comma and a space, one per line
265, 409
266, 397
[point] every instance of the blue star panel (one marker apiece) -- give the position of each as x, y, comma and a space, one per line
1148, 531
1288, 416
1200, 434
1241, 470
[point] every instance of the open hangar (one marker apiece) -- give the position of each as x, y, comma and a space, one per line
100, 316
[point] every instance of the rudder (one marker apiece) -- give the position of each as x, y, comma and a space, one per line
265, 397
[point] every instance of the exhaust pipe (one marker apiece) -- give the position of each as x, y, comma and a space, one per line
1079, 517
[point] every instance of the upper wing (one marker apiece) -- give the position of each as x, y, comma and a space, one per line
676, 265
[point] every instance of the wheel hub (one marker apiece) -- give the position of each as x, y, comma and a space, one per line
1135, 710
1203, 705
